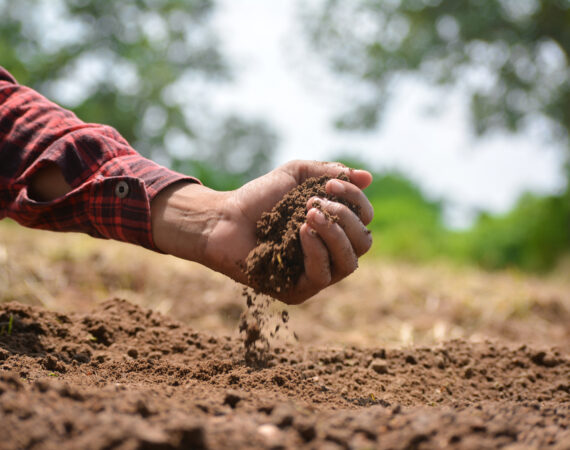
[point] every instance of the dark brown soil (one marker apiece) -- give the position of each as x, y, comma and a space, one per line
261, 325
127, 377
276, 264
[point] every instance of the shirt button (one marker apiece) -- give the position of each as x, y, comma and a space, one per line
122, 189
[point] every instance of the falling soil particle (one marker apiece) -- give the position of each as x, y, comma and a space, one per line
260, 325
252, 325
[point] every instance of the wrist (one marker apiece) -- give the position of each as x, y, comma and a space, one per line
183, 216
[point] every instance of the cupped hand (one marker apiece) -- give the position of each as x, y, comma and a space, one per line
217, 229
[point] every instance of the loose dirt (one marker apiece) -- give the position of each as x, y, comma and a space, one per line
122, 376
78, 373
276, 264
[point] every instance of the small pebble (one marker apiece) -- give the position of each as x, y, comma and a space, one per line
379, 366
270, 433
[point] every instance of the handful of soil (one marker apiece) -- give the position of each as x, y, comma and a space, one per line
276, 263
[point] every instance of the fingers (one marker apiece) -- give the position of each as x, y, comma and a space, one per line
361, 178
317, 260
343, 257
349, 227
318, 257
330, 248
353, 194
317, 275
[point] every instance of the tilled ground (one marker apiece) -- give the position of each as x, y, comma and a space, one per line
126, 377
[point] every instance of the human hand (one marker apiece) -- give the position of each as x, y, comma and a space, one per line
217, 229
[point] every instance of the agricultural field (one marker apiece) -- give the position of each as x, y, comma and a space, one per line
104, 345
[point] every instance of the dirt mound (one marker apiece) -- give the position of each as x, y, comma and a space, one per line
126, 377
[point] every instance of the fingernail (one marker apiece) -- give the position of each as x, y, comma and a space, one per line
311, 231
337, 187
320, 218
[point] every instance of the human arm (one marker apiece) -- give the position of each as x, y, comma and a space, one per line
217, 229
59, 173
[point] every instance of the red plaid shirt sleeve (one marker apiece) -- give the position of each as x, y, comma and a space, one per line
112, 185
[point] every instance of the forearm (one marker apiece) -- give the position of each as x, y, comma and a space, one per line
180, 216
184, 218
61, 174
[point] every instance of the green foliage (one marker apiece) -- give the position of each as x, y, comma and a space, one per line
7, 329
533, 236
137, 65
511, 57
406, 224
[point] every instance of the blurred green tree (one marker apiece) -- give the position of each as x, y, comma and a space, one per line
142, 66
511, 57
235, 152
407, 224
532, 236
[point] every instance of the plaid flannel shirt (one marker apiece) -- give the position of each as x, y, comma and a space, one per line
112, 185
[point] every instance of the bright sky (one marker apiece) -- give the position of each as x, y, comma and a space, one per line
273, 81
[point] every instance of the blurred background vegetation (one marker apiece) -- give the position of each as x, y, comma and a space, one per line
124, 64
